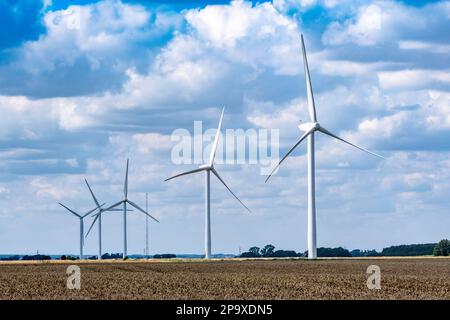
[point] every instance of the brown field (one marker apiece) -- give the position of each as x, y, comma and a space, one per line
406, 278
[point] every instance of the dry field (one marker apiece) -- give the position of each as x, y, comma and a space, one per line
411, 278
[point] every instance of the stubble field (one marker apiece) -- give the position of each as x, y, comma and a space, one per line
421, 278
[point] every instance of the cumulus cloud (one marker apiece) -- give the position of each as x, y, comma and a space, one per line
389, 21
95, 32
423, 45
151, 142
412, 79
365, 29
92, 45
252, 35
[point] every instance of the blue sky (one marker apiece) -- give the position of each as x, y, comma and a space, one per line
76, 102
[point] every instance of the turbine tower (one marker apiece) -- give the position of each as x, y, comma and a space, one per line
98, 217
126, 201
208, 168
146, 226
81, 217
309, 130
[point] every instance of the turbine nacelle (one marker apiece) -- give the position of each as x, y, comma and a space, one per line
308, 126
206, 166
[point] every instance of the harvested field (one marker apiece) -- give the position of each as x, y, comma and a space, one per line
411, 278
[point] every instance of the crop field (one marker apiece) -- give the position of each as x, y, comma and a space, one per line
409, 278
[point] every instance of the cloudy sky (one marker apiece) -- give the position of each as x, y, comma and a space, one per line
80, 94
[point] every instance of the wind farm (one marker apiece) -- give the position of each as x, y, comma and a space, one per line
309, 129
286, 266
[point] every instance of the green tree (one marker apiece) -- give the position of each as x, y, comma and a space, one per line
254, 250
442, 248
268, 250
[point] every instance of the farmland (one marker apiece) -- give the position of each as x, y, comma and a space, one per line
401, 278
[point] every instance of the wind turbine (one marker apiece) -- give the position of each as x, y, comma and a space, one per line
98, 217
309, 129
81, 217
208, 168
126, 201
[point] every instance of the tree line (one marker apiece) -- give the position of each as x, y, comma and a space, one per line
442, 248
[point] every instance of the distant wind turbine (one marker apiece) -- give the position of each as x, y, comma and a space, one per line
208, 168
126, 201
98, 217
81, 217
309, 129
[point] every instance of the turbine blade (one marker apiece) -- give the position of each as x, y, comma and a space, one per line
70, 210
223, 182
216, 140
290, 151
125, 186
323, 130
142, 210
92, 224
92, 193
90, 211
185, 173
114, 205
309, 92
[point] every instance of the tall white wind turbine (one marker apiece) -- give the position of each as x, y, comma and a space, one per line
81, 217
126, 201
208, 168
309, 129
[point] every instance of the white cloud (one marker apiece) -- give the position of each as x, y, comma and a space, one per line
35, 116
253, 35
72, 162
374, 23
425, 46
102, 31
347, 68
44, 188
4, 190
151, 142
267, 115
384, 128
68, 117
439, 110
412, 79
190, 67
364, 30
